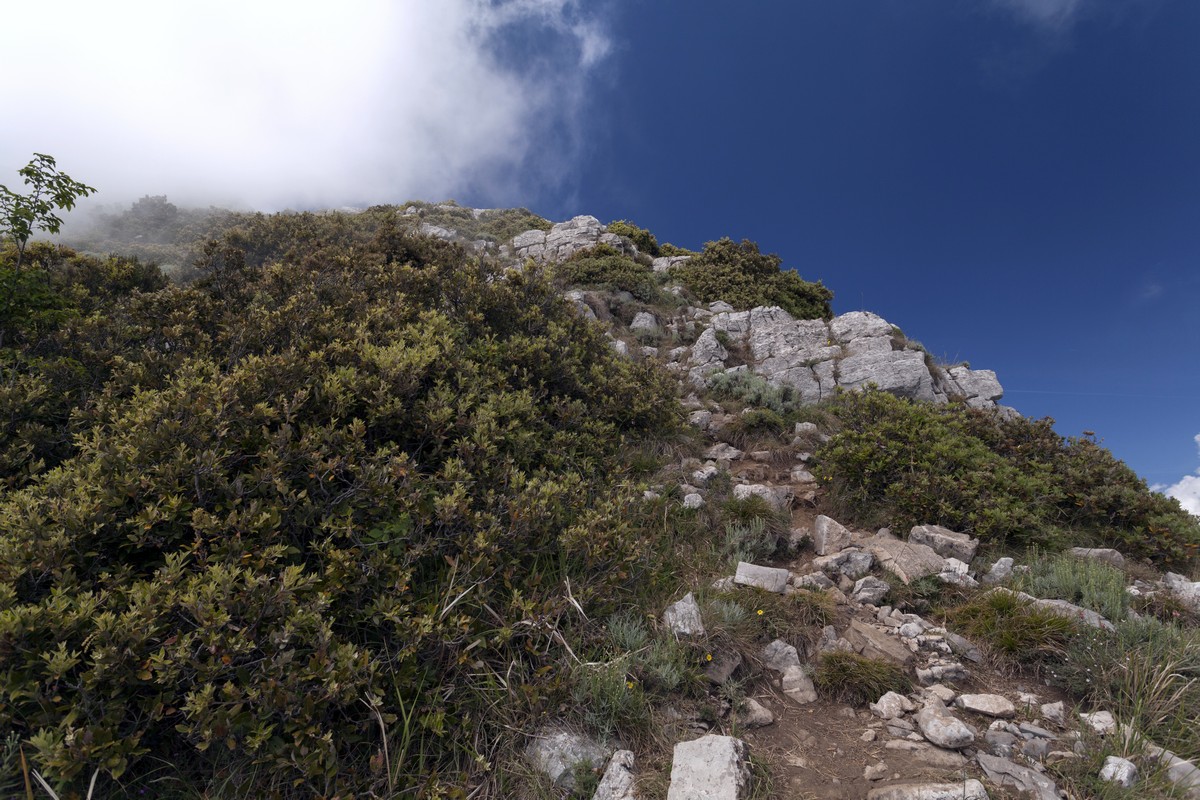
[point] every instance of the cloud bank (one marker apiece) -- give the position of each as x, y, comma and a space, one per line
301, 103
1187, 490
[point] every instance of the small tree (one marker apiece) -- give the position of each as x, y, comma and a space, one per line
22, 214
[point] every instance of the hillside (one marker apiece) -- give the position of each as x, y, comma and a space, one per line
371, 504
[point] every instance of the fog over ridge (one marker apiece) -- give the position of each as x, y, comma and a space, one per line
301, 104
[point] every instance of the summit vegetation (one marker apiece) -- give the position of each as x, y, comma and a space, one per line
336, 507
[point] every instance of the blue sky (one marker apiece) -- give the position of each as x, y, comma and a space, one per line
1015, 183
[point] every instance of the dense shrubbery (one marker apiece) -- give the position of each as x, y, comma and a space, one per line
1007, 480
743, 277
643, 239
334, 486
603, 267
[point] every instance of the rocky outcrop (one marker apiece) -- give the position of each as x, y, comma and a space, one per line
816, 357
567, 238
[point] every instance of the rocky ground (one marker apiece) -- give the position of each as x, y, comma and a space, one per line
966, 730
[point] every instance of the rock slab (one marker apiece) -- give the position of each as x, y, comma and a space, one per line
945, 542
617, 782
942, 728
683, 617
557, 752
908, 561
771, 579
710, 768
967, 790
829, 536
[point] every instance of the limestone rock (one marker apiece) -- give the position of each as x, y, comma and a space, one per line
1184, 774
900, 372
664, 263
557, 751
683, 618
1003, 772
779, 655
829, 536
1000, 571
970, 789
1101, 722
871, 642
693, 501
923, 751
908, 561
1085, 615
754, 714
798, 686
1105, 554
710, 768
875, 772
942, 728
945, 542
771, 579
892, 705
1054, 712
943, 693
777, 497
870, 590
617, 782
723, 665
1119, 771
979, 387
723, 452
1185, 590
816, 581
643, 321
992, 705
851, 562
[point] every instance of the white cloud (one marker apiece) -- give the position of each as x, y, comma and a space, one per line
1046, 14
1187, 490
275, 103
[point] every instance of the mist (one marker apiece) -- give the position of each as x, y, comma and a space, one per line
273, 105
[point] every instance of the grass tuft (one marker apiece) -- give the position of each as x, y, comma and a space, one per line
854, 679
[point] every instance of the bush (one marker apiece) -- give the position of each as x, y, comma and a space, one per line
743, 277
602, 267
857, 680
1010, 481
754, 390
642, 239
331, 487
1083, 581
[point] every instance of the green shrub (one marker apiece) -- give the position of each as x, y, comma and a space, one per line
602, 267
643, 239
749, 541
1082, 581
743, 277
610, 700
857, 680
320, 492
1010, 481
754, 390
